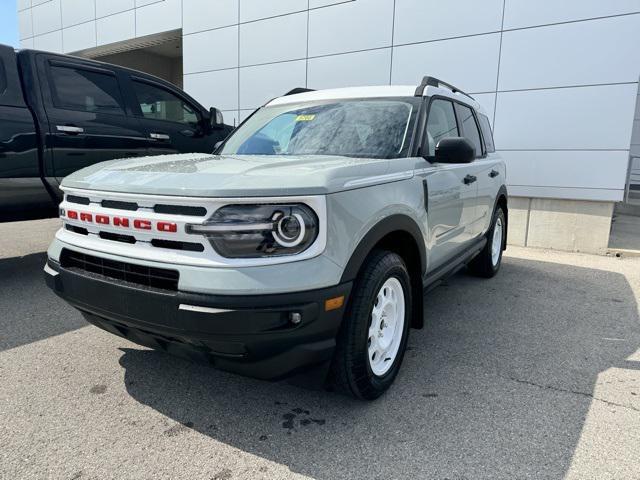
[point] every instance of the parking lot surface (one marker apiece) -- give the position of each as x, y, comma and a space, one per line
533, 374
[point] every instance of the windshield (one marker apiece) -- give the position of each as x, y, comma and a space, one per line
375, 128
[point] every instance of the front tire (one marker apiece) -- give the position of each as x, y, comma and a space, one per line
488, 261
373, 336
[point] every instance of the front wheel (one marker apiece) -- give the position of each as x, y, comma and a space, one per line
373, 337
488, 261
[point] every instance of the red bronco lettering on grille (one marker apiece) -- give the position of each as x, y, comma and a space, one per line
123, 222
120, 222
142, 224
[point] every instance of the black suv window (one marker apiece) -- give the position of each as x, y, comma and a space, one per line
159, 104
486, 133
86, 90
441, 123
3, 78
470, 128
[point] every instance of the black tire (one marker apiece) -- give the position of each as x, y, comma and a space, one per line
483, 265
351, 372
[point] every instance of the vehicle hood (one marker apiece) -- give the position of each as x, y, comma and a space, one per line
202, 175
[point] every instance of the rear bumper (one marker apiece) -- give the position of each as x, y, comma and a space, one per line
247, 334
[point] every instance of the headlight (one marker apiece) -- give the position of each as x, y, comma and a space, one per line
250, 231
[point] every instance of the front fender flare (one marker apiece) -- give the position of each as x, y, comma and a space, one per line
390, 224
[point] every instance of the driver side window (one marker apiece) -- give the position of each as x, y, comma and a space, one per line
441, 123
160, 104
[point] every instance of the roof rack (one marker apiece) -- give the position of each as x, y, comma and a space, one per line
298, 90
435, 82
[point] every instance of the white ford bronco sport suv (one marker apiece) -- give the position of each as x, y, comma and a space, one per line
308, 238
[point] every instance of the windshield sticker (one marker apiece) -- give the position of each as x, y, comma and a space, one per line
305, 118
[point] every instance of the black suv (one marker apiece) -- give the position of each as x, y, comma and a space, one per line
60, 113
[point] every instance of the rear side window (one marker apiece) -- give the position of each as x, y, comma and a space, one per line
470, 128
86, 90
160, 104
486, 133
441, 123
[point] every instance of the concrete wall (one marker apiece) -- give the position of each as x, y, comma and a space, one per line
572, 225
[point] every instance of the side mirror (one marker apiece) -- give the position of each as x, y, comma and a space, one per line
455, 150
216, 121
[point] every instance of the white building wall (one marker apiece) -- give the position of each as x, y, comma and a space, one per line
558, 78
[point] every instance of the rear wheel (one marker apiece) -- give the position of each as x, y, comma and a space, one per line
373, 337
488, 261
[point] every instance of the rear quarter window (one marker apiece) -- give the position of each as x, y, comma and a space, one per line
470, 128
487, 133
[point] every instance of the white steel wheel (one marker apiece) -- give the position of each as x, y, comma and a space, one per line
496, 242
387, 326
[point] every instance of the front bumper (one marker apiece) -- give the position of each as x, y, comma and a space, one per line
248, 334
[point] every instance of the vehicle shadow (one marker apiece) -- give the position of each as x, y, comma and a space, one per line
29, 310
497, 385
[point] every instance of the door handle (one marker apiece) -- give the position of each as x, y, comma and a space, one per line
69, 129
159, 136
469, 179
494, 173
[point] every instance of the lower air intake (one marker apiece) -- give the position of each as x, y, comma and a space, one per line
159, 278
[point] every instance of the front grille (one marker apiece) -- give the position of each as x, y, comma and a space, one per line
188, 246
180, 210
75, 229
160, 278
119, 205
77, 199
116, 237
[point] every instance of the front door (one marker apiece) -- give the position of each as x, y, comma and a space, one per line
88, 119
450, 190
171, 123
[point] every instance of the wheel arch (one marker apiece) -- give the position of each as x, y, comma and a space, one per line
402, 235
502, 200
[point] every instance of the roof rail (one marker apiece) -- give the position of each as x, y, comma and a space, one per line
435, 82
298, 90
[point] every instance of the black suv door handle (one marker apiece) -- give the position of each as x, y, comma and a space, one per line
469, 179
160, 136
494, 173
69, 129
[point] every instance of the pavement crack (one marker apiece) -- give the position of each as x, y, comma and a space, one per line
574, 392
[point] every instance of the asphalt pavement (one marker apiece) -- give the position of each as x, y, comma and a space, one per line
533, 374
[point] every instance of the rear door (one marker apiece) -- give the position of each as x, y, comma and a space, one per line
89, 121
485, 168
20, 184
450, 195
172, 122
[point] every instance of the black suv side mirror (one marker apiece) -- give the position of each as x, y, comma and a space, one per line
455, 150
216, 121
